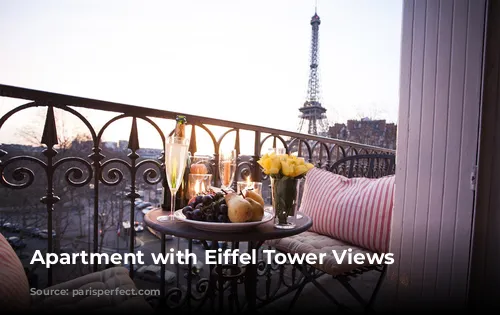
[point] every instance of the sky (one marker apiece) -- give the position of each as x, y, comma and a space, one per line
245, 61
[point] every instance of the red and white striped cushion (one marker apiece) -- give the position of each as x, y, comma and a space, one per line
354, 210
14, 287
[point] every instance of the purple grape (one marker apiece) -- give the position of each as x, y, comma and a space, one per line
197, 215
216, 210
186, 209
223, 209
207, 199
199, 199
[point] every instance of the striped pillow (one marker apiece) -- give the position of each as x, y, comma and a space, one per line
354, 210
14, 287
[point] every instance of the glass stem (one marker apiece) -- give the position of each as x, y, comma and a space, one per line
172, 201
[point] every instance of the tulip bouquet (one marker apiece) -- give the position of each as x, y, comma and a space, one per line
284, 165
287, 174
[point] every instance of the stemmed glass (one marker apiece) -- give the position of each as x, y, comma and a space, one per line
278, 151
227, 168
176, 155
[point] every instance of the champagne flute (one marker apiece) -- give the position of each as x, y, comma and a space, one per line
176, 155
227, 168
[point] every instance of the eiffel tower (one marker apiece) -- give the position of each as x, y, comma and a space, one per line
313, 116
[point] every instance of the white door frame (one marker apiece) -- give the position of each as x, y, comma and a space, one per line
440, 97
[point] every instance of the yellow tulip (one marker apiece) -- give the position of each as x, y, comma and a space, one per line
264, 162
299, 170
287, 169
275, 166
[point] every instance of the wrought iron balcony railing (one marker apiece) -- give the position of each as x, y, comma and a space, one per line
89, 170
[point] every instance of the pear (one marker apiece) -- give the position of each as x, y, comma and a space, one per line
238, 208
255, 196
257, 210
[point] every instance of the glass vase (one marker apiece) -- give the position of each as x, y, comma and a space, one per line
286, 193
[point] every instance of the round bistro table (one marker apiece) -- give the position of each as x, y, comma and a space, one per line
224, 273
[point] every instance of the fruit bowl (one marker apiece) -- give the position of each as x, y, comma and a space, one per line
225, 211
223, 226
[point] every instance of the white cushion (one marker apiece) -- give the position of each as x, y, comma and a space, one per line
310, 242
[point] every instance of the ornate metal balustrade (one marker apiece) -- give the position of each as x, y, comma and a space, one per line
95, 169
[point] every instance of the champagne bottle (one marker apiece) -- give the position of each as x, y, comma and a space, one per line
180, 126
185, 183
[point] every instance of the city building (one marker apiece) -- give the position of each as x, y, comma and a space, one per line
366, 131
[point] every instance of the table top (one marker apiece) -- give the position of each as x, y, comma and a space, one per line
262, 232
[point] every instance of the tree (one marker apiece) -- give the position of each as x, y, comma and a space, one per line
373, 112
106, 219
67, 146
